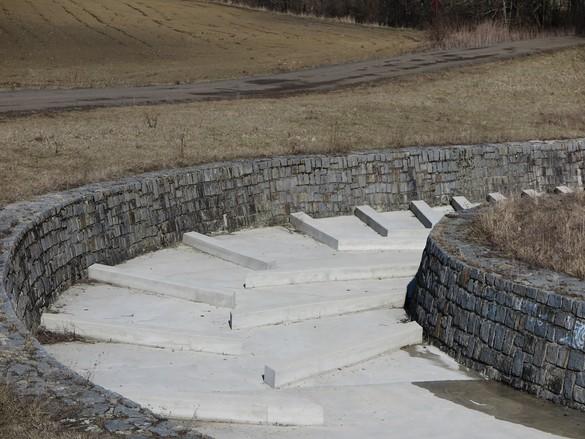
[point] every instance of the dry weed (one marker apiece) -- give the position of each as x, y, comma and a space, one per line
20, 419
523, 99
547, 232
484, 34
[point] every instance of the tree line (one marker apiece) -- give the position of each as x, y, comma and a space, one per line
420, 13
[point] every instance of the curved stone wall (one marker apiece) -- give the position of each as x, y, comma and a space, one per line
46, 245
511, 322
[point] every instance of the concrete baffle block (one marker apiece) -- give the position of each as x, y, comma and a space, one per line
425, 213
461, 203
530, 193
495, 197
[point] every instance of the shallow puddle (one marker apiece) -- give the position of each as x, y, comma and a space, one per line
508, 404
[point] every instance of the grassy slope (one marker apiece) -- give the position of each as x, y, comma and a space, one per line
73, 43
538, 97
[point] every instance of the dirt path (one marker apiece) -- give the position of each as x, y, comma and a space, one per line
313, 80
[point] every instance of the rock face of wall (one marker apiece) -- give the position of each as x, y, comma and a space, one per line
46, 245
514, 323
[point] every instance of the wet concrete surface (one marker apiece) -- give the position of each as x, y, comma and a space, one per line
319, 79
511, 405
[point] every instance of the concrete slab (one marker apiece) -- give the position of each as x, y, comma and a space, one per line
413, 363
408, 411
563, 190
120, 277
315, 310
141, 335
274, 278
349, 233
293, 251
495, 197
279, 374
128, 369
425, 213
401, 221
259, 306
259, 407
461, 203
219, 249
128, 307
187, 266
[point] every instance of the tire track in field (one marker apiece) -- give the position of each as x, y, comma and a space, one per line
171, 28
110, 26
140, 11
46, 19
13, 38
88, 26
20, 24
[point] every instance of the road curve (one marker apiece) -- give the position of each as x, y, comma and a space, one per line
319, 79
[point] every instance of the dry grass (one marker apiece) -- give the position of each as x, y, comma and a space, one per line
27, 420
80, 43
547, 232
537, 97
485, 34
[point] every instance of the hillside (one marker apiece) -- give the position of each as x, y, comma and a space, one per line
80, 43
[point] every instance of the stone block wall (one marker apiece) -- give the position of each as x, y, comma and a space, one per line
47, 244
513, 323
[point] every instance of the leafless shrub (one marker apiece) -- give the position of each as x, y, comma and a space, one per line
547, 232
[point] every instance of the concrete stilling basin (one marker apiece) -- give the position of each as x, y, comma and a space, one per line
227, 299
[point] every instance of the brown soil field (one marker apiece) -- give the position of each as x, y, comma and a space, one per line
538, 97
93, 43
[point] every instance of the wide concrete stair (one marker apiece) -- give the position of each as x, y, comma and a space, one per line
215, 327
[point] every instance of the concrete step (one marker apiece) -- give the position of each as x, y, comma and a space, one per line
278, 277
312, 310
256, 307
120, 277
310, 363
141, 335
221, 249
254, 407
351, 233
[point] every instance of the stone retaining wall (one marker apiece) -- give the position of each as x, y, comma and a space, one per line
511, 322
46, 245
